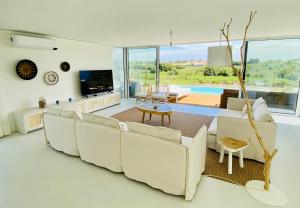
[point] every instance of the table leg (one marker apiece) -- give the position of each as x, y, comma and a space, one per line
162, 120
143, 118
221, 155
241, 159
230, 163
150, 116
169, 116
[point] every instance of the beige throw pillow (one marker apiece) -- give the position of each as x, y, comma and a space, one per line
258, 102
262, 113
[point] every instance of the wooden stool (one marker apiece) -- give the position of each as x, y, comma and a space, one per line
232, 145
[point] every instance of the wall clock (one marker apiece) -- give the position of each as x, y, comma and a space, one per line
51, 78
26, 69
65, 66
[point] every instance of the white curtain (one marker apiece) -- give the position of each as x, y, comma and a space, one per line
118, 67
298, 105
4, 120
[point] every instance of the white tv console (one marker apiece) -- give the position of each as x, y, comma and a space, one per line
30, 119
90, 104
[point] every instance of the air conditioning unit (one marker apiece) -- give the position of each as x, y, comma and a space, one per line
26, 41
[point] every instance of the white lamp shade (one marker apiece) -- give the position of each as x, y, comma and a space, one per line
218, 56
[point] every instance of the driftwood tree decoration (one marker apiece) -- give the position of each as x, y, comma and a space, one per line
268, 156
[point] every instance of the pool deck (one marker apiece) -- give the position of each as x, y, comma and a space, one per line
201, 99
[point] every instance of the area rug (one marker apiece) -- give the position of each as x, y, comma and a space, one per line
189, 124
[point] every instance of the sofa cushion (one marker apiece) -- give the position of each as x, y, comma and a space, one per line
160, 132
262, 113
212, 130
105, 121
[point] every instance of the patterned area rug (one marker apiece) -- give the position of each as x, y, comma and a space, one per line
189, 124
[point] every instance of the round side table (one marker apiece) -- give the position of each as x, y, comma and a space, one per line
232, 145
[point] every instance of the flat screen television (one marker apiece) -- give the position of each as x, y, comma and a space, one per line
93, 82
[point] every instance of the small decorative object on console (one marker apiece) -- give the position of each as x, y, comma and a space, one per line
42, 102
70, 99
65, 66
51, 78
155, 107
57, 102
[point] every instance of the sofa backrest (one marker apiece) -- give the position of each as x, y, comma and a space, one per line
237, 103
155, 131
60, 132
64, 113
100, 144
100, 120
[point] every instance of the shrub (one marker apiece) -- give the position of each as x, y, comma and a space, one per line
218, 71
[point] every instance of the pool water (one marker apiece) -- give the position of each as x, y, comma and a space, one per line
205, 90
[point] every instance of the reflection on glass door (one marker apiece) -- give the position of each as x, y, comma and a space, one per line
142, 64
273, 72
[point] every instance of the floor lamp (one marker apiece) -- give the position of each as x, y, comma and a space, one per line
262, 191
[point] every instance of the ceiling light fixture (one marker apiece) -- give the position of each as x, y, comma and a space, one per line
171, 37
219, 55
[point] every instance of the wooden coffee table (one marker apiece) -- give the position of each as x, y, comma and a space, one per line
156, 109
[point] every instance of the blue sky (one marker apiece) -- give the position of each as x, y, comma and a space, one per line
274, 49
264, 50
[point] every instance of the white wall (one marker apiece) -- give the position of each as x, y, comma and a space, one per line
25, 93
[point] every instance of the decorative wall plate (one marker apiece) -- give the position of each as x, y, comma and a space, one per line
26, 69
51, 78
65, 66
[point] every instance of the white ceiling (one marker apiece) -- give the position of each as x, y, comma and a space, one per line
147, 22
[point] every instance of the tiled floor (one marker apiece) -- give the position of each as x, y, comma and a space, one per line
34, 175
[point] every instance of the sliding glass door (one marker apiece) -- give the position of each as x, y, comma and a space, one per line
273, 72
142, 69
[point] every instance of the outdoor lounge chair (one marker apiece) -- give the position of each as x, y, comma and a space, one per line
178, 92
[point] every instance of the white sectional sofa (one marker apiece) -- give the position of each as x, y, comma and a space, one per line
164, 159
233, 122
157, 156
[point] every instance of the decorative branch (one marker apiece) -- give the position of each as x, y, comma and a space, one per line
239, 72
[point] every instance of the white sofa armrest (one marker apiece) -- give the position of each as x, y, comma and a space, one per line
196, 156
237, 103
240, 128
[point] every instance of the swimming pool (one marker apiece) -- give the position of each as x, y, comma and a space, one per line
204, 90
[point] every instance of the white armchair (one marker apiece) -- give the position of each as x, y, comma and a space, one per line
233, 123
241, 129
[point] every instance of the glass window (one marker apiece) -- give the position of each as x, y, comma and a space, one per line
184, 68
273, 72
141, 70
